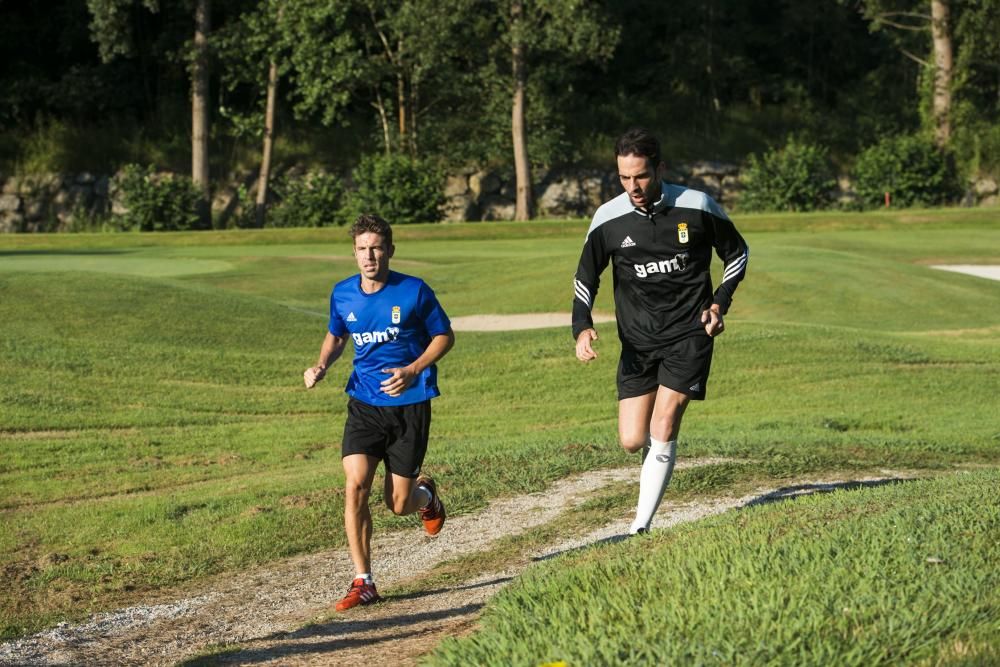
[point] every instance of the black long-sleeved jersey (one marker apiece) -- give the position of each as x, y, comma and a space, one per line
661, 265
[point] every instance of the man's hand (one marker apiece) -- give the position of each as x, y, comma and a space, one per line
313, 375
712, 319
584, 349
397, 382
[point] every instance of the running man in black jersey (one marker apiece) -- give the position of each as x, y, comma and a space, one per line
659, 240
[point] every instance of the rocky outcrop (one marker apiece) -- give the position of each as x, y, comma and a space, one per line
59, 202
50, 202
571, 193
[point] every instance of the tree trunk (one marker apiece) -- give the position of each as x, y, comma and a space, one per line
384, 120
265, 159
414, 107
199, 106
522, 167
401, 107
943, 63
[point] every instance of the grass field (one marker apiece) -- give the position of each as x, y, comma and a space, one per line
154, 431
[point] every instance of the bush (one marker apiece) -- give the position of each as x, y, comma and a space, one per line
313, 200
400, 189
910, 168
796, 177
157, 202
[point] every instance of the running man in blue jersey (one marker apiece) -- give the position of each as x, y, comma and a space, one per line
399, 331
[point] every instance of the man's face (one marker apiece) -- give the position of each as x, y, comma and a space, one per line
373, 253
640, 178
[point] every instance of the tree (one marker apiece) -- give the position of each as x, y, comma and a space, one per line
324, 57
412, 49
564, 31
250, 50
200, 72
111, 28
911, 17
524, 202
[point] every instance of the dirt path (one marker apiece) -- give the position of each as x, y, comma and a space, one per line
282, 614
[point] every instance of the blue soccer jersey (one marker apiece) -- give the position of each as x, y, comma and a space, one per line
390, 329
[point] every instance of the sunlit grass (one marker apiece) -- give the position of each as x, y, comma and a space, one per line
154, 430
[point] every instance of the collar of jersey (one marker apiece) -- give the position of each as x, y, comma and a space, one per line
366, 294
661, 203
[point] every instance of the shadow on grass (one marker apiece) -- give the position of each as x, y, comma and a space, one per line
336, 635
793, 492
344, 632
785, 493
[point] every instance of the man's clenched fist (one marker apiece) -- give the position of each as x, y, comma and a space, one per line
313, 375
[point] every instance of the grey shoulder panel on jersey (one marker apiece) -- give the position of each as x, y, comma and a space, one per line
684, 197
609, 210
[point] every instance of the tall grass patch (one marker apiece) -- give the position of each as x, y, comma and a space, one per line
897, 574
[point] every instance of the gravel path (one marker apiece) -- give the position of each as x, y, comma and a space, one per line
281, 614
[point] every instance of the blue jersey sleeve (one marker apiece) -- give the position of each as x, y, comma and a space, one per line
435, 319
336, 325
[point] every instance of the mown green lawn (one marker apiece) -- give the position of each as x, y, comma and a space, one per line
154, 430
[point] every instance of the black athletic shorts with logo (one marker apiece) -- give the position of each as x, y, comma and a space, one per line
397, 434
682, 366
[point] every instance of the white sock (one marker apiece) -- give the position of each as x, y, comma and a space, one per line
367, 576
653, 480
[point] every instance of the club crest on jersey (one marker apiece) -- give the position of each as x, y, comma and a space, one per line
682, 232
395, 314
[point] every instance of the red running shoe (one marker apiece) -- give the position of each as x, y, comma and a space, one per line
359, 593
433, 515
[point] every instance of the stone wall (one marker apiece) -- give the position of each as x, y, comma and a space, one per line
51, 202
571, 193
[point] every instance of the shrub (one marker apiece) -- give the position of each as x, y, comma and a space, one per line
401, 189
157, 202
910, 168
312, 200
796, 177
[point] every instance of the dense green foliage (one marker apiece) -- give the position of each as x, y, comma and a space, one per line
156, 202
401, 189
795, 177
895, 574
433, 79
150, 446
910, 168
313, 200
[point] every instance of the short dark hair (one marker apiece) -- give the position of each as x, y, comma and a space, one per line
639, 141
368, 222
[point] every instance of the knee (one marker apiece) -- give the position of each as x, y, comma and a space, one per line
356, 494
632, 442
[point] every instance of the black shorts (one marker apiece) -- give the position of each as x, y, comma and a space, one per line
682, 366
396, 434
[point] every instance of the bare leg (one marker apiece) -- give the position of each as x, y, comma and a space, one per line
402, 495
665, 422
634, 415
359, 470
